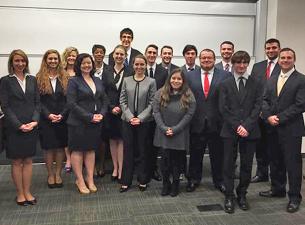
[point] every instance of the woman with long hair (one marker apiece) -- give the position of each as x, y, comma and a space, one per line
88, 104
113, 81
52, 82
136, 104
173, 107
19, 99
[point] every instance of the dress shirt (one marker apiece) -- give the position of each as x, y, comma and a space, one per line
153, 68
274, 62
224, 66
282, 79
237, 80
22, 83
210, 76
53, 83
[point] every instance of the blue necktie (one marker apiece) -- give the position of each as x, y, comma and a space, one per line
126, 62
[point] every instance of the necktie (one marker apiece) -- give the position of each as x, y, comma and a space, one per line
280, 83
206, 87
126, 62
268, 70
190, 69
241, 86
227, 67
151, 72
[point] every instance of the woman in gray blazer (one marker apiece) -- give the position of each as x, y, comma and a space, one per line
173, 107
136, 104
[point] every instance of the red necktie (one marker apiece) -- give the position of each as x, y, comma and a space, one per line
206, 87
268, 70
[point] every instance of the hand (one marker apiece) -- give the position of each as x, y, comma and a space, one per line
52, 117
241, 131
169, 132
273, 120
28, 127
135, 121
116, 110
56, 118
97, 118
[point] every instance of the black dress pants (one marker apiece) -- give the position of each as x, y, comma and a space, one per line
171, 164
136, 153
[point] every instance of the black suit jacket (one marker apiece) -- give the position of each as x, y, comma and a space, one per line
206, 108
185, 71
19, 107
259, 70
160, 75
83, 103
237, 110
288, 106
133, 53
171, 68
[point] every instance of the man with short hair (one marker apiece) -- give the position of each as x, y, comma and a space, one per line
226, 52
166, 56
283, 107
190, 54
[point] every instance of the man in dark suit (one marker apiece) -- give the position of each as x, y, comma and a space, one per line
157, 72
126, 37
226, 52
190, 54
240, 101
206, 122
283, 105
166, 56
263, 71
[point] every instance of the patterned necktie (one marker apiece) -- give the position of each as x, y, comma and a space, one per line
268, 70
151, 72
227, 67
280, 83
126, 62
206, 87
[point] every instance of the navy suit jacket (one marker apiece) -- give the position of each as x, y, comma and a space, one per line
207, 113
160, 75
288, 106
83, 103
259, 70
133, 53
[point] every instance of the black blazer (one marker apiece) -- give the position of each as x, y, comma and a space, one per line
171, 68
259, 70
19, 107
240, 111
83, 103
112, 92
288, 106
160, 75
206, 108
133, 53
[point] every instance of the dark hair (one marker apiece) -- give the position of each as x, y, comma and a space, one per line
287, 50
189, 48
227, 42
240, 56
139, 56
272, 40
126, 31
97, 46
78, 62
166, 90
167, 46
208, 50
151, 46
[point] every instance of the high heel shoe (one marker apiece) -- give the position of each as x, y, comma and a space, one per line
83, 190
93, 188
114, 178
124, 189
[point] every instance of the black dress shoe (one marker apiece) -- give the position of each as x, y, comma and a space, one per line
166, 189
293, 206
114, 178
142, 187
32, 202
242, 202
229, 205
175, 188
190, 187
59, 185
220, 187
156, 176
22, 203
271, 194
123, 189
257, 179
51, 186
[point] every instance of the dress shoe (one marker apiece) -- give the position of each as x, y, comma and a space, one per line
293, 206
32, 202
190, 187
166, 189
22, 203
101, 173
271, 194
59, 185
156, 176
142, 187
229, 205
220, 187
83, 190
257, 179
51, 186
92, 188
175, 189
124, 188
114, 178
242, 202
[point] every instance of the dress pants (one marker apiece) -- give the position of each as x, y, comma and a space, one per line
285, 156
246, 150
136, 153
171, 163
154, 150
199, 142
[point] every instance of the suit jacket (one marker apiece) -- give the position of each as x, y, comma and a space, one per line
171, 68
19, 107
220, 66
207, 113
160, 75
259, 70
133, 53
185, 71
288, 106
237, 110
83, 103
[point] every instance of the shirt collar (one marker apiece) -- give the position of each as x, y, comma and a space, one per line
288, 73
273, 60
210, 72
14, 75
237, 76
153, 67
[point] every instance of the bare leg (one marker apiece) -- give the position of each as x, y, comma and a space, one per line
77, 164
114, 155
49, 158
59, 158
89, 158
17, 178
120, 157
27, 178
68, 157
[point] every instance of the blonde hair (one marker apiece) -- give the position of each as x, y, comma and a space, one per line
66, 54
11, 58
44, 84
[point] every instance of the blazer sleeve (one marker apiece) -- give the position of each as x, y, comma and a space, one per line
105, 102
72, 102
44, 110
187, 117
124, 102
157, 113
8, 112
36, 113
146, 113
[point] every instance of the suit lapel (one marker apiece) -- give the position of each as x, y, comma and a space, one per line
213, 83
86, 85
16, 86
287, 83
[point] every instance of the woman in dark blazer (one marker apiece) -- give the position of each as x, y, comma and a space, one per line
19, 99
52, 82
173, 107
88, 104
113, 84
136, 104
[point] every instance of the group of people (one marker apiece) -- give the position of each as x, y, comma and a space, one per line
77, 103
